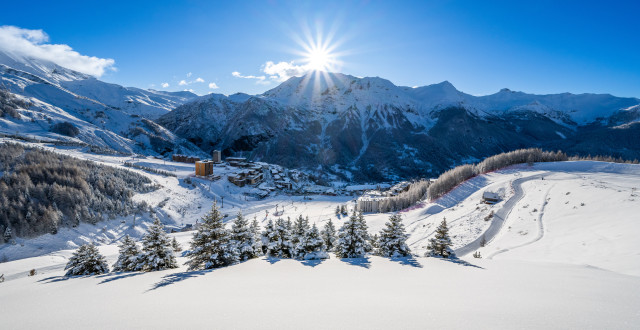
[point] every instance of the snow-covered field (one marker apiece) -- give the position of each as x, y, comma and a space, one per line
565, 257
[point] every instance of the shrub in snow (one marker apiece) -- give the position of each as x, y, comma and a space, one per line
393, 239
312, 247
86, 260
298, 237
353, 239
211, 246
242, 238
440, 245
329, 235
277, 237
128, 256
65, 128
157, 253
175, 245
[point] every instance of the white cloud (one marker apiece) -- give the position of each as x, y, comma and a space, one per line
213, 85
32, 43
239, 75
165, 85
282, 71
189, 74
189, 90
183, 83
199, 80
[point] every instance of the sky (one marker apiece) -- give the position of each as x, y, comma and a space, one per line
227, 47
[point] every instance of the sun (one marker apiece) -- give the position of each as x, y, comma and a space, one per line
319, 59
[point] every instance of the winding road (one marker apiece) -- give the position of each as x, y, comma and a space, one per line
499, 217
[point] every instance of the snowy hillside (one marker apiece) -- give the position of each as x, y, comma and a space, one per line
105, 115
567, 230
368, 129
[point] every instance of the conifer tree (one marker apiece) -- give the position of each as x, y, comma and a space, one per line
312, 247
257, 237
440, 245
175, 245
157, 253
353, 239
278, 237
337, 210
329, 235
393, 239
242, 238
86, 260
128, 256
211, 245
365, 232
298, 236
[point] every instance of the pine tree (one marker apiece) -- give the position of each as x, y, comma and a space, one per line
329, 235
211, 245
365, 232
257, 237
440, 245
353, 241
128, 256
175, 245
8, 234
298, 236
278, 239
337, 210
393, 239
157, 253
86, 260
312, 247
242, 238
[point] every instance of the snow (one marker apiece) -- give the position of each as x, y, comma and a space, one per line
579, 262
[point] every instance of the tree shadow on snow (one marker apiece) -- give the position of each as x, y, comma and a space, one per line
54, 279
360, 262
179, 277
117, 276
407, 261
459, 262
312, 263
271, 260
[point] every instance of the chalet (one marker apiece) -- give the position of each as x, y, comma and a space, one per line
235, 161
489, 197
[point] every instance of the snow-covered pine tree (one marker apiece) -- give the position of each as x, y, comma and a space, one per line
312, 246
86, 260
440, 245
337, 210
242, 238
352, 239
298, 236
128, 256
329, 235
211, 245
257, 237
8, 235
365, 230
393, 239
157, 253
278, 239
175, 245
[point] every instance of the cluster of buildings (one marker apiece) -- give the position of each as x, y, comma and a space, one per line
251, 173
184, 159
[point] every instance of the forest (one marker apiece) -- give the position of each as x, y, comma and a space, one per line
41, 191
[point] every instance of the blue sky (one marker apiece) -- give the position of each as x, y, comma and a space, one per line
479, 46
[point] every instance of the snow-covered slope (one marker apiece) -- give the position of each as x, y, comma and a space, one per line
554, 264
106, 115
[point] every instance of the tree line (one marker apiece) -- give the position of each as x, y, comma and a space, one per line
41, 191
213, 245
453, 177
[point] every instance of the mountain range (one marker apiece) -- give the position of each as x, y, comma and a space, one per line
352, 128
370, 129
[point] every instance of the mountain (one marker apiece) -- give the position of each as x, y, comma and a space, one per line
104, 115
370, 129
